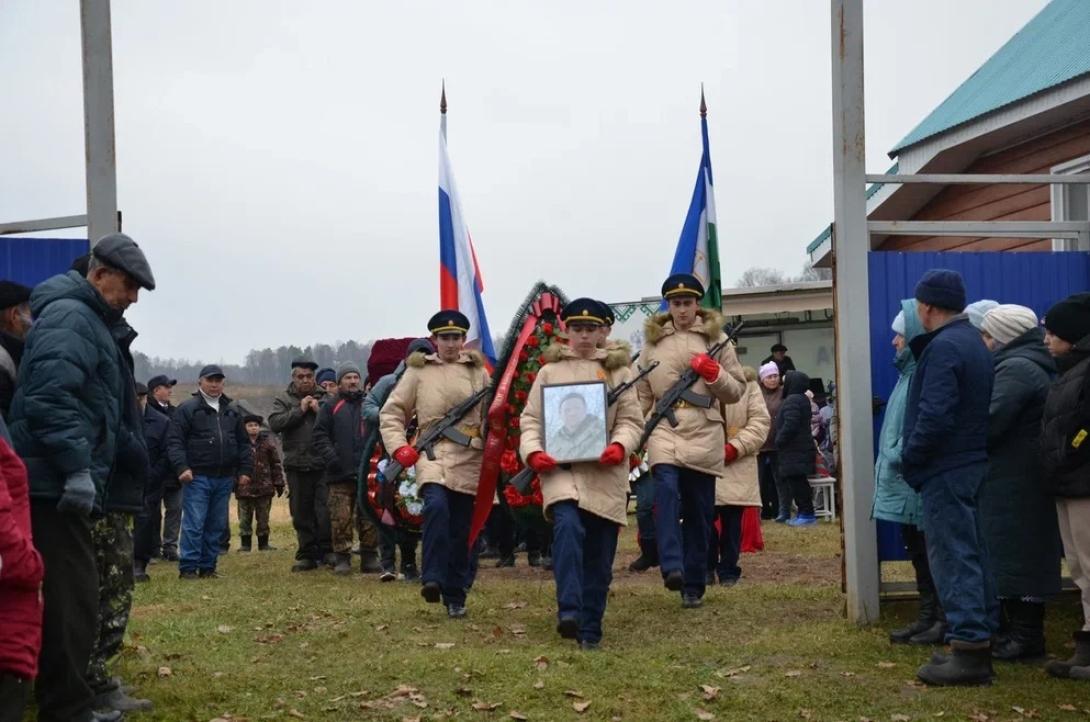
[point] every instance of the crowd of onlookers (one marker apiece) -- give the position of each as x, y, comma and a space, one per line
982, 462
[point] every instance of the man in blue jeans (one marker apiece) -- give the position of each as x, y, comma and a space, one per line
209, 449
945, 458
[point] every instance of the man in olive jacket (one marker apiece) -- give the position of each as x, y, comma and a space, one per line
68, 425
293, 416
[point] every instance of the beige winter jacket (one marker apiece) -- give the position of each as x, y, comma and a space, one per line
747, 424
600, 490
429, 389
697, 441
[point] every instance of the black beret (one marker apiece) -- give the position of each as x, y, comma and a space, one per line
583, 310
121, 252
211, 370
448, 321
304, 363
13, 294
779, 347
682, 284
252, 417
156, 381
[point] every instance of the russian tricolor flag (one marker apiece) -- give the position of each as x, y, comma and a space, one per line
460, 284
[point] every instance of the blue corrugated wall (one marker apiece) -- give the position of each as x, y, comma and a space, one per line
1036, 280
30, 261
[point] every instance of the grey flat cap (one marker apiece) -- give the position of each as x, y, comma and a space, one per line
121, 252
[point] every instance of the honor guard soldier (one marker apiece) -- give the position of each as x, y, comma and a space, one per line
586, 500
686, 459
432, 385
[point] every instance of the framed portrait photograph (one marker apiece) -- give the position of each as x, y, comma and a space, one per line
575, 421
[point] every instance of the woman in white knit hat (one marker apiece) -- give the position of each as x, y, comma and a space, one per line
1017, 517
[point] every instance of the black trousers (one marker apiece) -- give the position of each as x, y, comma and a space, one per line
309, 505
501, 530
725, 547
916, 546
803, 494
70, 620
145, 536
766, 475
13, 697
390, 542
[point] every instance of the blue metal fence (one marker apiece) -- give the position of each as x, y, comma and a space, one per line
30, 261
1036, 280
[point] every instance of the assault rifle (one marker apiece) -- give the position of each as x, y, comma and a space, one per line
444, 428
681, 390
522, 480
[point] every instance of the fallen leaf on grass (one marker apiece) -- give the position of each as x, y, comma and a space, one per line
847, 674
164, 672
710, 692
899, 718
444, 645
518, 629
224, 629
792, 673
573, 693
382, 627
410, 719
269, 638
1029, 713
806, 714
703, 714
542, 663
541, 685
296, 713
518, 716
514, 605
486, 706
580, 707
464, 692
727, 673
1068, 708
887, 665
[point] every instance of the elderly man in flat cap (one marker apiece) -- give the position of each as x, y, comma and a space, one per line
70, 424
15, 322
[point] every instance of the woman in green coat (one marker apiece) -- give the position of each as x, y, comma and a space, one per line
1017, 518
894, 500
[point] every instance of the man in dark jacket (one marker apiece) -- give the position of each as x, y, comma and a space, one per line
170, 524
293, 416
209, 450
945, 457
795, 450
69, 424
146, 532
15, 322
338, 439
780, 358
1065, 449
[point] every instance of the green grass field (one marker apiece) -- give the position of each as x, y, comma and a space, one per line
262, 643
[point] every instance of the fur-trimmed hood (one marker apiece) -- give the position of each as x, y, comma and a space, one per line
613, 357
660, 326
417, 359
750, 372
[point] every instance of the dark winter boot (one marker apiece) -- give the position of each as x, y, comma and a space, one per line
925, 619
936, 633
649, 557
343, 564
369, 563
1081, 659
969, 664
533, 559
505, 561
244, 543
263, 543
140, 571
116, 699
1025, 638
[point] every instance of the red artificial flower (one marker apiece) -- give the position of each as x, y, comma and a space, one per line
533, 342
512, 409
523, 357
509, 462
521, 396
531, 376
547, 328
515, 423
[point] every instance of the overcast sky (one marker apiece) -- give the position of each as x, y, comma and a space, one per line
278, 161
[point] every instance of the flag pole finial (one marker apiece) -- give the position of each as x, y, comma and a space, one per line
443, 99
703, 105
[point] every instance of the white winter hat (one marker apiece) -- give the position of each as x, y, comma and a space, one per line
898, 324
769, 369
1007, 322
977, 309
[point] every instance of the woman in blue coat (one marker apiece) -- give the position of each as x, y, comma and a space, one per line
894, 500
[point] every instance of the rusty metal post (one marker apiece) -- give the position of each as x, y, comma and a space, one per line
851, 288
98, 118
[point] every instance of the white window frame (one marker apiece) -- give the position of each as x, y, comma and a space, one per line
1059, 201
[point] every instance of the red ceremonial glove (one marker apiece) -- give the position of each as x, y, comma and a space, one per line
613, 455
706, 366
509, 462
729, 453
541, 462
406, 456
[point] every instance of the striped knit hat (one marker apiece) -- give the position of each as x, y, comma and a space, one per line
1007, 322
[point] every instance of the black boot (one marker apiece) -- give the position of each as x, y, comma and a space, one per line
649, 556
140, 571
506, 560
936, 633
343, 564
369, 563
533, 559
1025, 638
263, 543
1081, 659
244, 542
925, 619
969, 664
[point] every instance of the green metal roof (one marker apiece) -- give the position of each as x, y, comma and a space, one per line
1052, 48
871, 190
